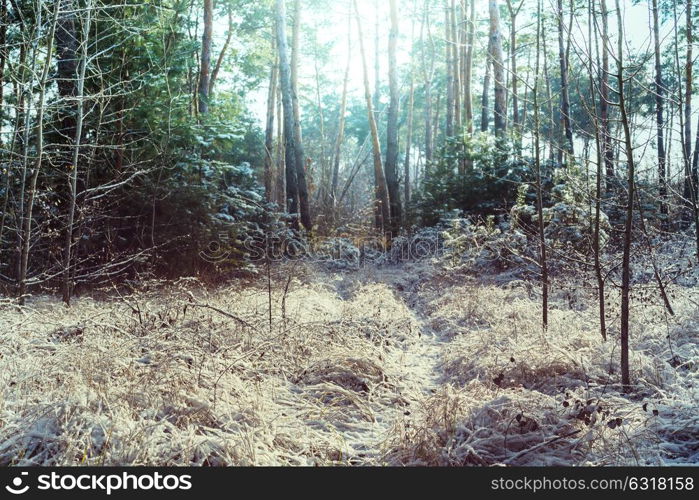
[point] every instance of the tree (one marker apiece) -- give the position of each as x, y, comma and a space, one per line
73, 183
659, 116
500, 90
298, 141
565, 98
26, 235
543, 264
382, 215
391, 169
628, 225
604, 100
269, 131
205, 60
341, 115
290, 145
514, 11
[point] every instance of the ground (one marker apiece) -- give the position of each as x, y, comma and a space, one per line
408, 364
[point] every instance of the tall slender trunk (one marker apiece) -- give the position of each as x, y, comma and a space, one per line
391, 169
659, 117
67, 66
628, 226
3, 60
598, 187
408, 143
456, 69
341, 117
222, 54
485, 112
80, 88
500, 88
604, 101
205, 59
450, 71
300, 162
428, 72
280, 163
543, 264
513, 69
382, 210
468, 70
565, 98
290, 156
549, 98
40, 107
688, 191
269, 131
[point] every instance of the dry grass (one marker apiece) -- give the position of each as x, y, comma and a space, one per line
400, 365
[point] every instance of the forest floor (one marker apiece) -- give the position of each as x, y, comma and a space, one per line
402, 364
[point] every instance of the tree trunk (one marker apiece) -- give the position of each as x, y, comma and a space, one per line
485, 112
205, 60
428, 73
408, 143
28, 212
500, 89
626, 260
391, 169
222, 54
298, 140
456, 70
659, 117
543, 264
450, 71
73, 187
604, 101
565, 98
341, 118
513, 68
598, 188
269, 132
382, 210
468, 98
688, 191
67, 66
290, 156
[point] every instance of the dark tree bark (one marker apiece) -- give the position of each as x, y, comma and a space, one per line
565, 98
608, 151
659, 116
290, 156
205, 60
302, 186
543, 263
628, 226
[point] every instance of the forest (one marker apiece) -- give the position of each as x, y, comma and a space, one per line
351, 232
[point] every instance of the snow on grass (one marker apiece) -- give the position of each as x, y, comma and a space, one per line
516, 394
407, 364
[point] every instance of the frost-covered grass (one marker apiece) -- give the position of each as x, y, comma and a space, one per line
407, 364
516, 394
